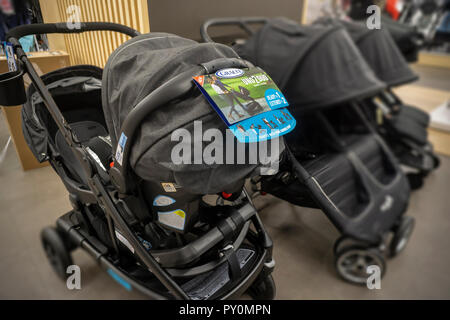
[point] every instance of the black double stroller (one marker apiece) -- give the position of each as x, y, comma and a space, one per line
404, 127
335, 161
141, 216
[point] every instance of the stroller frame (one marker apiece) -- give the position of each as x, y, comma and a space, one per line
419, 160
366, 243
160, 264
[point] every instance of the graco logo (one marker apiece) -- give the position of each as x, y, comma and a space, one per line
229, 73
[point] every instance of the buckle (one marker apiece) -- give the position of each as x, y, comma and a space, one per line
226, 249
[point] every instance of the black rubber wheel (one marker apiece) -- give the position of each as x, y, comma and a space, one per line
437, 161
402, 233
263, 290
352, 261
345, 241
56, 251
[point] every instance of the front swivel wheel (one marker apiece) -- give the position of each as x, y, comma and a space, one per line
263, 290
56, 251
353, 263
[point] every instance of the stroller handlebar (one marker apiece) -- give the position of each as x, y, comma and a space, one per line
238, 21
63, 27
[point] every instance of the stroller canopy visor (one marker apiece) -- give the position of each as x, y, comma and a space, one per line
316, 66
380, 51
134, 71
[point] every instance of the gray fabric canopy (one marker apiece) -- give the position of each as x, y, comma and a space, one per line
315, 66
379, 50
136, 69
76, 90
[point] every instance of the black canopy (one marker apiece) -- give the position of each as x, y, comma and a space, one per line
134, 71
407, 38
379, 50
315, 65
76, 90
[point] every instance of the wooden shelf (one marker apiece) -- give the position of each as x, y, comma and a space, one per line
42, 54
434, 59
428, 99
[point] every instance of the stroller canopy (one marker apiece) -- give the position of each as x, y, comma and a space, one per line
315, 66
379, 50
38, 127
135, 70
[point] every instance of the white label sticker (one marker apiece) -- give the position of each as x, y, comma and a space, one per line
168, 187
174, 219
162, 201
122, 239
9, 51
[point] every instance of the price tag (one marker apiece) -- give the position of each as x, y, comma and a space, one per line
249, 102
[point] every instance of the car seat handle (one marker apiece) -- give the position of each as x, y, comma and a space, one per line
221, 63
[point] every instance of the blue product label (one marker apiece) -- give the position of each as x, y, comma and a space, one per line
229, 73
249, 102
275, 99
121, 148
264, 126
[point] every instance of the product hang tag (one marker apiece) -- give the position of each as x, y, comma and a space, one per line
249, 103
10, 58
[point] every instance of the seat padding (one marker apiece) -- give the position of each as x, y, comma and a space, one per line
336, 175
409, 128
93, 136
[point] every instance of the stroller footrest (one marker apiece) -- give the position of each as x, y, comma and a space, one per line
206, 285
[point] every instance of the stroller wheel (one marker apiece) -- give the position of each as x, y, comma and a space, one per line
402, 233
263, 290
343, 242
56, 251
352, 263
437, 161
